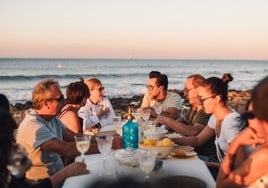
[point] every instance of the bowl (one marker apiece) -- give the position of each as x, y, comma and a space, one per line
162, 151
157, 134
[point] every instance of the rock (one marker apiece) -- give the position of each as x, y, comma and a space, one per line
236, 99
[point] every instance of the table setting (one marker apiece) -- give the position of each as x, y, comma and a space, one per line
157, 158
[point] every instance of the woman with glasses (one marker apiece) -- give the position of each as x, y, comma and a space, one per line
224, 123
98, 111
245, 163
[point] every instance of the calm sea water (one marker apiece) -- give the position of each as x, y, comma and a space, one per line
120, 77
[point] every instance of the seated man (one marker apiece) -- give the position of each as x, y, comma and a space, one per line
44, 136
195, 120
158, 95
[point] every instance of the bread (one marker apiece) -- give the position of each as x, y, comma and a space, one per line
179, 153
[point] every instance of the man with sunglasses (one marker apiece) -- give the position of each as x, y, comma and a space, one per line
158, 95
43, 135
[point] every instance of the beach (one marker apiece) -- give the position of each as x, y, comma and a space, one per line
236, 100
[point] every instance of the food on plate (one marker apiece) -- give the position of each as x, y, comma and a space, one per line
173, 135
153, 142
179, 153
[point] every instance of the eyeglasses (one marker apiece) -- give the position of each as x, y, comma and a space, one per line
150, 87
59, 99
201, 101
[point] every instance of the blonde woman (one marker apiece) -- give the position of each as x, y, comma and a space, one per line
98, 111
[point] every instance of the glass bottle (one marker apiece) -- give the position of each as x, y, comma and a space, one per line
130, 132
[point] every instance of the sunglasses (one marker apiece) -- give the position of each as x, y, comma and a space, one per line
59, 99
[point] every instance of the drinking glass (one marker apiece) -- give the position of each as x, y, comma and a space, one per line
158, 109
104, 146
147, 161
137, 114
118, 125
146, 114
82, 144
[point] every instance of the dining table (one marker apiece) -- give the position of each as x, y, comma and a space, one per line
172, 166
190, 166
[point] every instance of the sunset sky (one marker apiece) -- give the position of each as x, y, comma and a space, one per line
169, 29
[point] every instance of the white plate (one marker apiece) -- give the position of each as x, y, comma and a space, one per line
187, 154
173, 135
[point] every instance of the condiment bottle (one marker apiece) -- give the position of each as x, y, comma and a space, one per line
130, 132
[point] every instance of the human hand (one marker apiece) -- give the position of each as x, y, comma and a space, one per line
161, 119
76, 168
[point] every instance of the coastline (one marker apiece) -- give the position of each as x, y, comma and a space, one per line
236, 100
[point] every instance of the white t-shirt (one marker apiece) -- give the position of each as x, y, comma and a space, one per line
230, 127
89, 114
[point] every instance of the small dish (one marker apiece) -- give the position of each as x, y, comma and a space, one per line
173, 135
182, 153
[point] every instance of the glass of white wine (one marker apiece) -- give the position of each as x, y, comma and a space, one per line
147, 160
158, 109
82, 144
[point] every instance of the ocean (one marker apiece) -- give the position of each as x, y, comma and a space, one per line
120, 77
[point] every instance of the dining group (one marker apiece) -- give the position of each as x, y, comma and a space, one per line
232, 145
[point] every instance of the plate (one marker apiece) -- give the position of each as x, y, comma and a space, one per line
173, 135
185, 148
182, 153
181, 181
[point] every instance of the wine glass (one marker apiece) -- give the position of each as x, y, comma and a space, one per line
158, 109
82, 144
104, 146
147, 160
146, 115
137, 114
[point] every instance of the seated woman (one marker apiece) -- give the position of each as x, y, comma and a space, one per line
76, 96
224, 122
246, 164
98, 111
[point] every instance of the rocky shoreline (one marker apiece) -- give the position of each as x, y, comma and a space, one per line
236, 99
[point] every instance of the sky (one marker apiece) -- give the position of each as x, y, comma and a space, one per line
165, 29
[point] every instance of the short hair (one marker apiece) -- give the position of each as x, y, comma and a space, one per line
92, 83
198, 79
259, 99
162, 79
43, 91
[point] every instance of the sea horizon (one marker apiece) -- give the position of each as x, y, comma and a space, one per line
121, 77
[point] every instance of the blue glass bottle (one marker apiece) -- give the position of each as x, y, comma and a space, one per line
130, 133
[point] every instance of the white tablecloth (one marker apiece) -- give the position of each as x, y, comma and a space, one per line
172, 166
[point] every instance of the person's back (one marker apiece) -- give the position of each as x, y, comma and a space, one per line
76, 96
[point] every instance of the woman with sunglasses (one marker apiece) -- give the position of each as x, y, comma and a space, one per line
246, 164
98, 111
224, 123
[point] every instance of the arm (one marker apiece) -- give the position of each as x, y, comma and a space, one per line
108, 115
67, 149
184, 129
73, 169
233, 172
198, 140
